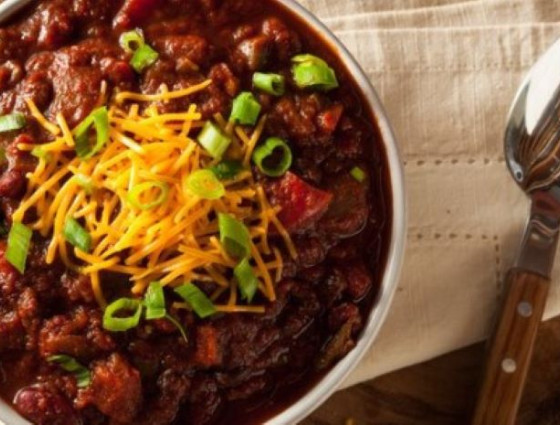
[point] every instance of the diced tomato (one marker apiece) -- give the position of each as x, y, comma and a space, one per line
207, 353
302, 204
328, 120
133, 12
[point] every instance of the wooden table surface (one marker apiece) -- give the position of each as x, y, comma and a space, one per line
443, 391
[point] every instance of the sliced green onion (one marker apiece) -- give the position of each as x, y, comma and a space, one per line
85, 183
134, 197
205, 185
178, 326
19, 240
12, 122
154, 301
312, 72
234, 236
132, 40
39, 152
246, 279
358, 174
308, 58
77, 235
98, 119
69, 364
245, 109
227, 170
274, 158
113, 319
197, 300
214, 140
143, 58
274, 84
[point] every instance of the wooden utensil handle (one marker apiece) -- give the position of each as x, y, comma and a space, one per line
512, 349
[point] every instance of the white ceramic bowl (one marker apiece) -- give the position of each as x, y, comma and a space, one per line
331, 381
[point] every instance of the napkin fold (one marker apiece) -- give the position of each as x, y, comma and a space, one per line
447, 72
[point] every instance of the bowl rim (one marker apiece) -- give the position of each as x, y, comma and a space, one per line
324, 388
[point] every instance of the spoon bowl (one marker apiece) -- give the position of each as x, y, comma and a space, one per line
531, 147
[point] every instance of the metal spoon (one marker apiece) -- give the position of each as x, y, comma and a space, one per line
532, 150
9, 7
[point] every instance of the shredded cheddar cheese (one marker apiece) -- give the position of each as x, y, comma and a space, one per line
174, 242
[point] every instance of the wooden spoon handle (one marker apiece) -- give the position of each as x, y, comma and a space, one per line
512, 349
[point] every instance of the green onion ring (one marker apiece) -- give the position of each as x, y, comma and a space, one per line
266, 151
135, 194
274, 84
205, 185
128, 39
121, 324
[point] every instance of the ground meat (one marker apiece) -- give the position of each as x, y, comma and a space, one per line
73, 88
118, 72
173, 388
205, 400
28, 310
252, 54
288, 121
12, 336
286, 43
8, 276
116, 389
193, 48
11, 73
77, 287
91, 10
224, 77
78, 334
50, 26
44, 406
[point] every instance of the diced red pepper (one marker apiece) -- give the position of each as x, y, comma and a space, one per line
302, 204
134, 12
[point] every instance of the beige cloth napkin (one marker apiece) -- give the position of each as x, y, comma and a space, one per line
447, 71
